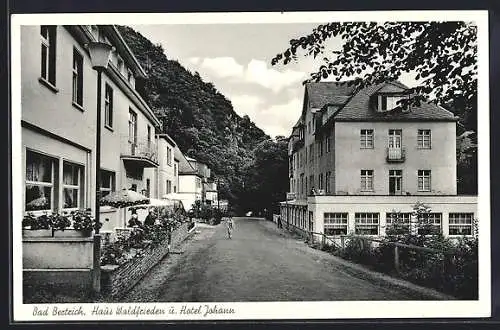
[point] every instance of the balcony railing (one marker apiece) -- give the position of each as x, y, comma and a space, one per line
396, 155
290, 196
143, 152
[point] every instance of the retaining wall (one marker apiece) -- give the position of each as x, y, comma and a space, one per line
118, 280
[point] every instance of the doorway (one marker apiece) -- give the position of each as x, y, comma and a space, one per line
395, 182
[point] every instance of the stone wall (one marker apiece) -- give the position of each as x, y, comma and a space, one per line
118, 280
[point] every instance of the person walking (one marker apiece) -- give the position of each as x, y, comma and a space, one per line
229, 226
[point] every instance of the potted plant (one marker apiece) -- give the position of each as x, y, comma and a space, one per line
37, 226
61, 224
83, 222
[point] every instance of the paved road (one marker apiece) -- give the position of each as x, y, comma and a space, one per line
260, 263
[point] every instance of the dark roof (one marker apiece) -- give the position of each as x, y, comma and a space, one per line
184, 166
358, 108
321, 93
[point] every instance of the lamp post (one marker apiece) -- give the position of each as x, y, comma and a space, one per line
99, 57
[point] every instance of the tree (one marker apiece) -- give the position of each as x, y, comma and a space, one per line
442, 55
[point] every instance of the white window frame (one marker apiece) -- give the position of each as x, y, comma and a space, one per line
366, 137
112, 182
367, 180
48, 43
424, 139
169, 156
77, 78
108, 106
335, 221
406, 218
461, 220
437, 220
366, 220
78, 187
51, 184
422, 176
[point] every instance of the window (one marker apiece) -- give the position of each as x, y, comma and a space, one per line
168, 187
320, 148
320, 181
424, 139
119, 64
40, 180
335, 224
169, 156
108, 106
431, 225
77, 78
424, 180
311, 181
366, 180
311, 153
72, 185
327, 142
366, 223
48, 53
198, 183
460, 223
149, 136
327, 181
107, 182
388, 102
366, 138
132, 127
308, 127
175, 169
398, 223
130, 75
148, 188
302, 183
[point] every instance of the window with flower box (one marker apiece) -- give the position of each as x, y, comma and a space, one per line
40, 182
73, 181
335, 224
366, 223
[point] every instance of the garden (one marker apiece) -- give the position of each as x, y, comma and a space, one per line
447, 264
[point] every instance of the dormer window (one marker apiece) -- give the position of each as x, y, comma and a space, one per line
387, 102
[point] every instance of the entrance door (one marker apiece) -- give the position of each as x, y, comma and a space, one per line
395, 182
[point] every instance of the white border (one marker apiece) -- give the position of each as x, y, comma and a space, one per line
270, 310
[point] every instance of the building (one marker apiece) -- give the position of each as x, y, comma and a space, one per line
168, 174
211, 192
59, 101
356, 158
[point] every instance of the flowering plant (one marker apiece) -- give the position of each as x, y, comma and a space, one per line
84, 221
59, 221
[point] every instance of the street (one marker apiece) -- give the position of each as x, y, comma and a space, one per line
260, 263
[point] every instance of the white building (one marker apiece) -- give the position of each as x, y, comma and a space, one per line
59, 121
356, 158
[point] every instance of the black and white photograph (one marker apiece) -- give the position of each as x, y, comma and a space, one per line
226, 166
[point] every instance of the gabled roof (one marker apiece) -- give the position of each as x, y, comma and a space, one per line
328, 92
359, 108
184, 166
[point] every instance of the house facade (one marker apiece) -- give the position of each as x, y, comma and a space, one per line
168, 174
59, 101
356, 158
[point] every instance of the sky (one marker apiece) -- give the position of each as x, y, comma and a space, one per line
236, 58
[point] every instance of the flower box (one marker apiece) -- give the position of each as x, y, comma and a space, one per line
72, 233
37, 232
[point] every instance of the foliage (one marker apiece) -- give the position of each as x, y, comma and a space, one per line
201, 119
453, 269
84, 221
208, 213
442, 56
59, 221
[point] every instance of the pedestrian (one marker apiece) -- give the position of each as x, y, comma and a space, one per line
279, 221
229, 226
150, 219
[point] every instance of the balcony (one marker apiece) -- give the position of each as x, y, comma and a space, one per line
396, 155
142, 153
298, 145
290, 196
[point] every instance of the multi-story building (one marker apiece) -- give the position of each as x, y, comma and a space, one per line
167, 171
59, 101
356, 158
211, 192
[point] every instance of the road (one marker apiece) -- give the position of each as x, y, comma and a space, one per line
260, 263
